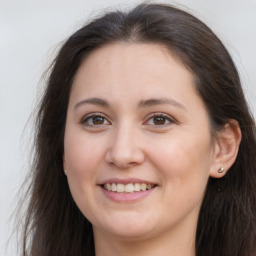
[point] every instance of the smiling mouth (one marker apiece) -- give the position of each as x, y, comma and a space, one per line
127, 188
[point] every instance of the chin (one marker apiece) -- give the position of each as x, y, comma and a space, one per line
130, 233
127, 227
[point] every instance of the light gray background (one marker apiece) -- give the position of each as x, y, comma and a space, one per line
29, 35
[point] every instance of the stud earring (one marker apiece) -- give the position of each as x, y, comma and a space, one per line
221, 170
65, 171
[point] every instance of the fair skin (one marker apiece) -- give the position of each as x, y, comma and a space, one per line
134, 117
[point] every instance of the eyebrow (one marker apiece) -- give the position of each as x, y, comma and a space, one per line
94, 101
160, 101
142, 104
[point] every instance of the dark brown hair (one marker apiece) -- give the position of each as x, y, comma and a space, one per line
227, 221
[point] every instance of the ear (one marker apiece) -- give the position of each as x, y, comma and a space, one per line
226, 147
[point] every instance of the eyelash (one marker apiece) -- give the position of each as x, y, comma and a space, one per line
161, 115
86, 119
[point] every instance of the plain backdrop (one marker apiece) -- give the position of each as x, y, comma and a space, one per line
30, 32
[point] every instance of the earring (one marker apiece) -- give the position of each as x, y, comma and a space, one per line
65, 171
221, 170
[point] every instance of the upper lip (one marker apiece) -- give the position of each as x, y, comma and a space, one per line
126, 181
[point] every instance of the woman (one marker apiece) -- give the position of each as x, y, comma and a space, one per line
145, 144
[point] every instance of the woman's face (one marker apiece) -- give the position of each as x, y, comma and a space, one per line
135, 124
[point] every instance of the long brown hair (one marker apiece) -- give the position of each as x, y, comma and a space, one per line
227, 220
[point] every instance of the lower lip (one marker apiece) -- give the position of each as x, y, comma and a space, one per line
127, 197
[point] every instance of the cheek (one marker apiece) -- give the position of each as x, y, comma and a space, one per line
80, 157
183, 160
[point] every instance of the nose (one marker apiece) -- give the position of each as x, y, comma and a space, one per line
125, 151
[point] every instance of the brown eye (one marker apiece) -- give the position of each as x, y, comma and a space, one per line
94, 120
159, 120
98, 120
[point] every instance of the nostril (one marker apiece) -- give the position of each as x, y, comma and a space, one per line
124, 161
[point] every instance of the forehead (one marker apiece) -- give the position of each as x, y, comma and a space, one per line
140, 56
133, 71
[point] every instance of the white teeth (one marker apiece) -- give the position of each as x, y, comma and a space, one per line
137, 187
113, 187
120, 188
149, 186
143, 186
128, 188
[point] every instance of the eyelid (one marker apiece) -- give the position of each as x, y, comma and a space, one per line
170, 119
94, 114
161, 114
